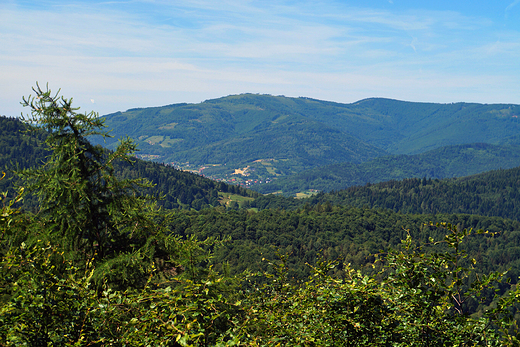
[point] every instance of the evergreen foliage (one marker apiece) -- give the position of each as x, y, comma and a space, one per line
81, 201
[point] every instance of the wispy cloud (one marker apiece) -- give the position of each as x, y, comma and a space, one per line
140, 53
412, 44
511, 5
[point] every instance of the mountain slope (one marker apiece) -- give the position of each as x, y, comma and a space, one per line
237, 131
295, 134
494, 193
444, 162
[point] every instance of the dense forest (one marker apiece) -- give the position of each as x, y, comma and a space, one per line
348, 233
98, 261
493, 193
444, 162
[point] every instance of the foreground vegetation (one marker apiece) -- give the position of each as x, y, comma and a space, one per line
102, 264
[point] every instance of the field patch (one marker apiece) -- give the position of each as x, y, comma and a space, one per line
169, 126
169, 142
306, 194
228, 198
153, 140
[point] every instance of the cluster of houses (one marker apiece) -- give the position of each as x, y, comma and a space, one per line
248, 183
237, 178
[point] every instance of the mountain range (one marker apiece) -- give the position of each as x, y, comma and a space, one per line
257, 140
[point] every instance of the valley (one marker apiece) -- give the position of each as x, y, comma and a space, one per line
295, 146
261, 171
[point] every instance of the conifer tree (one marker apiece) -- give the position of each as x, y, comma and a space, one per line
83, 205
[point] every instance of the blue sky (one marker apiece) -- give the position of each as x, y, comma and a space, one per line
115, 55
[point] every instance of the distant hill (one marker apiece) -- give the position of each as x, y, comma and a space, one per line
444, 162
262, 137
238, 131
412, 128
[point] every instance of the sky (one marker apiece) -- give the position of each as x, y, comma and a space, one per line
115, 55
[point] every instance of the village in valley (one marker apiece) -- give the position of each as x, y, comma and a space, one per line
258, 172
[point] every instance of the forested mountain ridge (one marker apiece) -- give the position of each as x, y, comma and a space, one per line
237, 132
440, 163
261, 137
493, 193
415, 127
